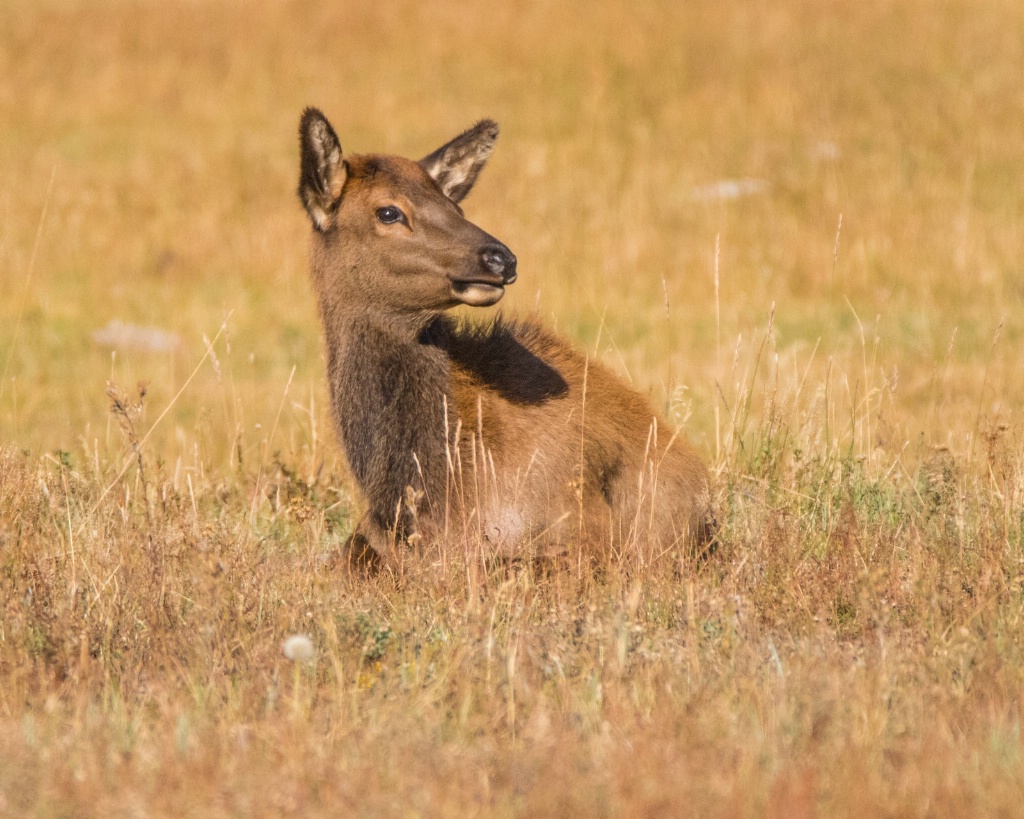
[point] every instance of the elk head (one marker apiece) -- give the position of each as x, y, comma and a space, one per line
388, 232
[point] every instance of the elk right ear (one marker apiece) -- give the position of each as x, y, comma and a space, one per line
323, 169
456, 165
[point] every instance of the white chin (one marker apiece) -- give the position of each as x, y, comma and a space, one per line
476, 294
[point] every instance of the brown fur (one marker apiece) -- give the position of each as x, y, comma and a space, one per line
502, 431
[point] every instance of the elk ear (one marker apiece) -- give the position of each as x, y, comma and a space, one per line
455, 166
323, 170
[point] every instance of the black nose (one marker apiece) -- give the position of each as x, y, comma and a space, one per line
499, 260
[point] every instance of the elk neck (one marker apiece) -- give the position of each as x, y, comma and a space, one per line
388, 389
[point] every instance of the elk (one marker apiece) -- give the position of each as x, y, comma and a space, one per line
502, 429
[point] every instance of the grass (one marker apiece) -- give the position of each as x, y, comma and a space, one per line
855, 649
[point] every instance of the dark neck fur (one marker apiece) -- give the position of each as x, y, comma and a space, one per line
388, 391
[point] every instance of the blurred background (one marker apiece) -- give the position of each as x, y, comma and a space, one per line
850, 172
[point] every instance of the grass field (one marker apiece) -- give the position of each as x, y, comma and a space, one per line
841, 340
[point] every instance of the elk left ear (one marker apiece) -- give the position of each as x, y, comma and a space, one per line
455, 166
323, 170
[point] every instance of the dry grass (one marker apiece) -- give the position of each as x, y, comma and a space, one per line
856, 647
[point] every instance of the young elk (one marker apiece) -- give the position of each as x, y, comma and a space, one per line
502, 431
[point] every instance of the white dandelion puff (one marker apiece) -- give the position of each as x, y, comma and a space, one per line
298, 648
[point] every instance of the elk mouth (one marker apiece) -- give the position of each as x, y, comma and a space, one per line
486, 285
478, 292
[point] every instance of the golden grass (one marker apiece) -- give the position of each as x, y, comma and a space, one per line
856, 647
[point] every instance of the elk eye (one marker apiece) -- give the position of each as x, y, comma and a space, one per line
390, 215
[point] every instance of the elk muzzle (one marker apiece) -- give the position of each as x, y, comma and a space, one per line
486, 287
